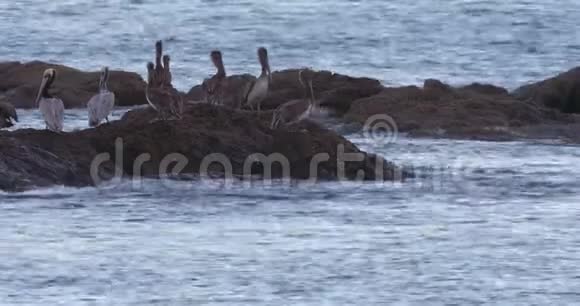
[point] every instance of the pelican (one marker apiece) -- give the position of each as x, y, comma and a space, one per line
52, 108
167, 75
177, 101
7, 113
259, 89
214, 86
295, 110
159, 71
165, 101
101, 105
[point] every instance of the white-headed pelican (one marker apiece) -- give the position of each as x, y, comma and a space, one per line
259, 89
52, 108
101, 105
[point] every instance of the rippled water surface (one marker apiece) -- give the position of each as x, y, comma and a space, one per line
504, 42
486, 222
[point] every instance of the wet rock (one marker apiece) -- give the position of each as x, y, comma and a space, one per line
333, 90
561, 92
19, 84
486, 89
439, 109
33, 158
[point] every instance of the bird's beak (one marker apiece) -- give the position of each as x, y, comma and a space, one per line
40, 90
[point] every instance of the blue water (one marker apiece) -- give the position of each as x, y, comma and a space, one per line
485, 222
399, 42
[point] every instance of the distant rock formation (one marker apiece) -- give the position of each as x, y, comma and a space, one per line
19, 84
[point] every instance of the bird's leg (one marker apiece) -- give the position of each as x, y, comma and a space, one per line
107, 119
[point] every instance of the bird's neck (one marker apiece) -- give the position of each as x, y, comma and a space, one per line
45, 93
265, 66
103, 85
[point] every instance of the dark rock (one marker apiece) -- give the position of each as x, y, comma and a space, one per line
439, 109
561, 92
31, 158
486, 89
436, 85
19, 85
333, 90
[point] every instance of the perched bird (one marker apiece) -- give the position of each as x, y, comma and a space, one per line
166, 101
159, 71
295, 110
7, 114
214, 87
52, 108
259, 89
177, 105
167, 79
101, 105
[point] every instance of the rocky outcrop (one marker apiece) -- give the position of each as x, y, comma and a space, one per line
561, 92
19, 84
474, 111
32, 158
334, 91
437, 109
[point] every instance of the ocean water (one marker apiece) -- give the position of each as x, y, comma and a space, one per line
485, 223
398, 42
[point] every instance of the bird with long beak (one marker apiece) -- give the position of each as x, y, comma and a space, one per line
259, 89
159, 70
163, 100
52, 108
167, 79
177, 99
101, 105
214, 87
296, 110
7, 114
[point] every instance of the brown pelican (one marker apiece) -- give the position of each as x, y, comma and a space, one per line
213, 87
177, 105
167, 79
159, 71
295, 110
52, 108
166, 101
259, 89
101, 105
7, 113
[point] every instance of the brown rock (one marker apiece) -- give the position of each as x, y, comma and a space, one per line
439, 109
30, 158
561, 92
334, 91
19, 85
486, 89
